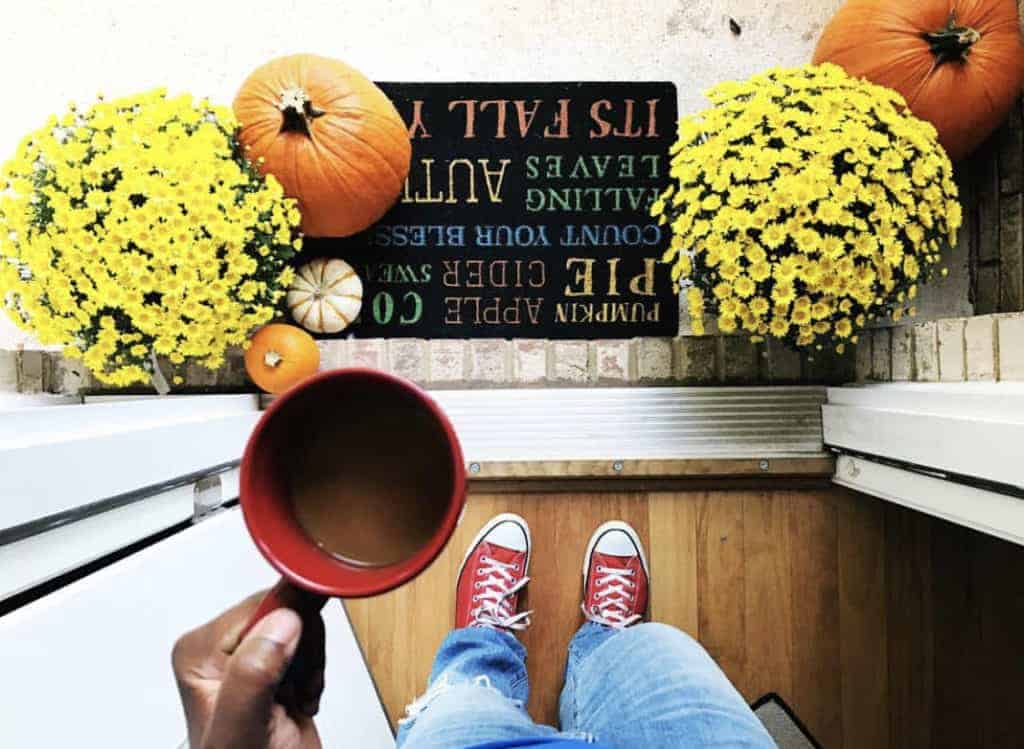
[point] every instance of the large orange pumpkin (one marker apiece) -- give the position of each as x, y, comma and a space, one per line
332, 138
280, 356
958, 63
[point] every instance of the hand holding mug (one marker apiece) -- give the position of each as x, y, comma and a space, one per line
234, 688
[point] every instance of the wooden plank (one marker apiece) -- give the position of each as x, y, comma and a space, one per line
830, 368
673, 552
987, 198
903, 353
559, 542
685, 485
862, 620
402, 630
865, 356
768, 593
740, 360
784, 364
812, 465
721, 613
1011, 153
768, 596
986, 289
374, 622
1011, 253
881, 354
957, 710
813, 539
434, 600
555, 592
909, 627
966, 177
1000, 585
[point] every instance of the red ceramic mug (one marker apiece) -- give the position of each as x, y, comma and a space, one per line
310, 574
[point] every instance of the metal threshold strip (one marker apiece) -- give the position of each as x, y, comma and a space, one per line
639, 432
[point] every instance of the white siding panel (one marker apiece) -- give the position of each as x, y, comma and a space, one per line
39, 558
50, 478
89, 665
33, 426
989, 512
974, 429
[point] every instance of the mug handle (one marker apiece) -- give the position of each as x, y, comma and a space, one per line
284, 595
307, 659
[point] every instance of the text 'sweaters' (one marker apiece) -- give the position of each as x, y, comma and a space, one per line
524, 215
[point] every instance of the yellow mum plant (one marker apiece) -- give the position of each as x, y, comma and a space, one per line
804, 203
135, 228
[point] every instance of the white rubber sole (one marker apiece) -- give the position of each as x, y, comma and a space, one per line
629, 531
488, 527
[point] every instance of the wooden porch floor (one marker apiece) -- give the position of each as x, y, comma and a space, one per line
882, 627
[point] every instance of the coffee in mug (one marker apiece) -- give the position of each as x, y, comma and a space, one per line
368, 472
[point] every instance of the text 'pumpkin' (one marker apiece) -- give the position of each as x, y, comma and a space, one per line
330, 136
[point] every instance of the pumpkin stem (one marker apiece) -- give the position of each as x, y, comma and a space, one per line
272, 359
298, 110
952, 43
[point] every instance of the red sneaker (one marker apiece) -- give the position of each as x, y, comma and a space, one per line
492, 574
616, 577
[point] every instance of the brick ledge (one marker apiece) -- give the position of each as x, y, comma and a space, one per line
981, 348
482, 363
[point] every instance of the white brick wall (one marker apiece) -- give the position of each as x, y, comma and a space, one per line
571, 362
985, 347
981, 348
951, 350
980, 354
1010, 342
686, 360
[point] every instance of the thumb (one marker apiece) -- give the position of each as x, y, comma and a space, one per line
246, 696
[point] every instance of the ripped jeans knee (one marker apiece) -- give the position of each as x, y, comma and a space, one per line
459, 711
444, 685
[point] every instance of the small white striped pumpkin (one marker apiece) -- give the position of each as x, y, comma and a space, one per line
325, 296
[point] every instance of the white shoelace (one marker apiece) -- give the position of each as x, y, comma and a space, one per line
492, 604
613, 598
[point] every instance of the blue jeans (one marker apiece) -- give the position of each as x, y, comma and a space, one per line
648, 686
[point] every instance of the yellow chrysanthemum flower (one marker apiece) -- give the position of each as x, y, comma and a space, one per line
806, 202
134, 228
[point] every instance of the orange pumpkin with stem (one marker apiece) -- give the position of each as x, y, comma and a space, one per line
958, 63
279, 356
331, 137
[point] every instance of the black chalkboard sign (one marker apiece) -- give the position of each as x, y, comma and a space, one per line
524, 215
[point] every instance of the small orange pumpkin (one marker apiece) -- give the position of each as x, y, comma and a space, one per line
330, 136
279, 356
958, 63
